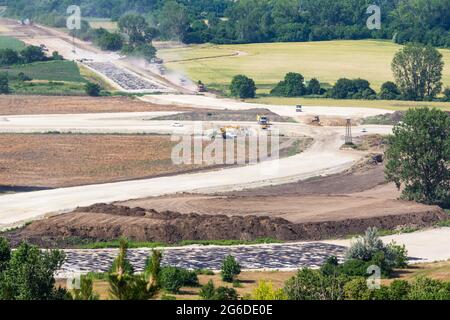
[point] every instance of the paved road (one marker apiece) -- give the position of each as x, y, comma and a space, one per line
257, 257
423, 246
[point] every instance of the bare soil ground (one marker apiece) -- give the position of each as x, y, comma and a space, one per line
225, 115
52, 160
64, 160
29, 105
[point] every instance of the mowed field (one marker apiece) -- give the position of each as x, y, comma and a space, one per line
10, 43
267, 63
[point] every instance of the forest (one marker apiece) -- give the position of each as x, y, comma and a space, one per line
250, 21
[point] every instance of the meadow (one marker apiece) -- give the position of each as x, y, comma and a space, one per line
267, 63
58, 70
11, 43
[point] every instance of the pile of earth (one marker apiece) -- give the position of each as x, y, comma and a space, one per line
385, 119
107, 222
225, 115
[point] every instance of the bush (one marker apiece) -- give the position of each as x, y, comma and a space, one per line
209, 292
352, 89
33, 54
23, 77
172, 279
265, 291
447, 94
92, 89
389, 91
292, 86
314, 285
314, 87
4, 83
243, 87
429, 289
230, 269
8, 57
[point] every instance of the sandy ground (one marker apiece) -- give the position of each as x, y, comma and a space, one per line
29, 105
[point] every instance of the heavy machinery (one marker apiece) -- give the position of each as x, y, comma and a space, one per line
201, 87
316, 121
229, 132
263, 121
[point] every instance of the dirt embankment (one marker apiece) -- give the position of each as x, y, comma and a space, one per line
225, 115
29, 105
104, 222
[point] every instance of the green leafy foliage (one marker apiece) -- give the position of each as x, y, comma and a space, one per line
210, 292
418, 156
230, 269
28, 273
243, 87
292, 86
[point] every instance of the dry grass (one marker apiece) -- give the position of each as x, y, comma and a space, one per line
267, 63
28, 105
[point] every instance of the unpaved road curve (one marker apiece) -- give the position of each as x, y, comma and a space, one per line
322, 158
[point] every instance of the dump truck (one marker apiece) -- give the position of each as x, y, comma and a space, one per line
263, 121
201, 87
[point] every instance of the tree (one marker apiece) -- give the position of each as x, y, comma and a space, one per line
418, 156
33, 54
136, 28
209, 292
447, 94
29, 274
110, 41
314, 86
418, 71
173, 20
153, 268
230, 269
4, 83
292, 86
5, 254
8, 57
243, 87
92, 89
123, 283
86, 290
57, 56
389, 91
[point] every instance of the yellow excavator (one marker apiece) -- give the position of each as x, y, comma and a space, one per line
229, 132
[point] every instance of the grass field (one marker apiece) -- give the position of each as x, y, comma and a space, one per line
49, 70
380, 104
11, 43
97, 23
267, 63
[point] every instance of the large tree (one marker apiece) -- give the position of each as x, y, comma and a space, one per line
418, 71
418, 156
136, 28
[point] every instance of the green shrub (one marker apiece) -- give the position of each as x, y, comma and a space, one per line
243, 87
230, 269
265, 291
92, 89
429, 289
173, 278
209, 292
292, 86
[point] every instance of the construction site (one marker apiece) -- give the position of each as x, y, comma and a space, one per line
97, 169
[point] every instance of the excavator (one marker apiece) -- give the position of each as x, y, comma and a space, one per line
229, 132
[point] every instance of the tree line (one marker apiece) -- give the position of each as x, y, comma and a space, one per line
249, 21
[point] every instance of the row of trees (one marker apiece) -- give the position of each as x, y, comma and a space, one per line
29, 54
244, 21
417, 71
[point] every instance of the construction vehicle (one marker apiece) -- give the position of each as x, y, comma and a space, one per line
201, 87
316, 121
229, 132
298, 108
263, 121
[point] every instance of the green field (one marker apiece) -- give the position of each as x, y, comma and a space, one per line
379, 104
267, 63
97, 23
11, 43
49, 70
